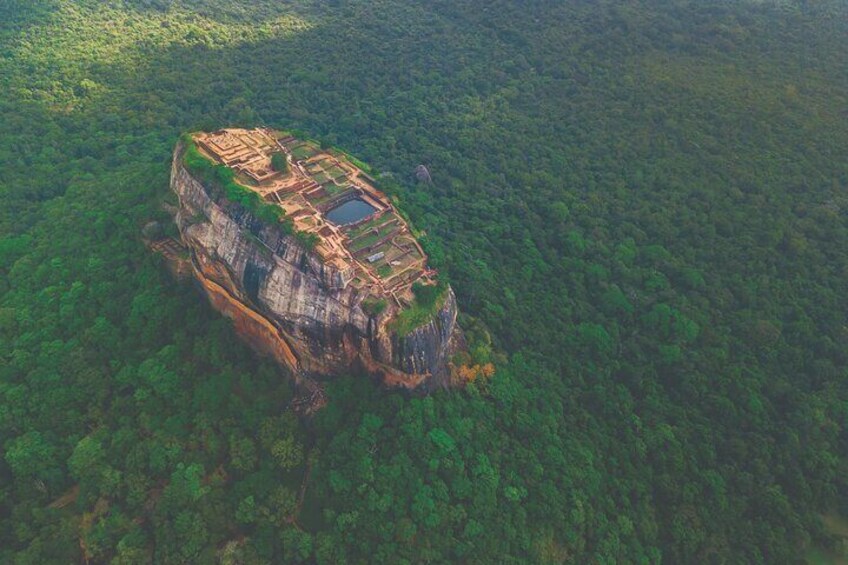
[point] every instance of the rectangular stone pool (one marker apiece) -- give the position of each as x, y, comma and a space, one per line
350, 212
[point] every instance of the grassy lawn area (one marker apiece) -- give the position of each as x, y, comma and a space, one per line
333, 189
365, 241
372, 223
335, 171
242, 178
304, 151
372, 238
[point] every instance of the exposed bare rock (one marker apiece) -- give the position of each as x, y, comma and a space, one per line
423, 174
152, 230
287, 303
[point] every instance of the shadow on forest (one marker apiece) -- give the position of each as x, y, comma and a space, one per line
671, 314
19, 15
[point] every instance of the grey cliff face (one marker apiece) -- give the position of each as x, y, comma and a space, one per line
317, 314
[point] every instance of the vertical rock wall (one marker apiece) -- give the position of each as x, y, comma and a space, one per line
286, 302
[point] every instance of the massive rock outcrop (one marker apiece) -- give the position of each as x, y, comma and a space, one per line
289, 303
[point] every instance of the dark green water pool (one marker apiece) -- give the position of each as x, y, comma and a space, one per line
350, 212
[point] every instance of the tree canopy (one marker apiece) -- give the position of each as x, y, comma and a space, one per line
641, 207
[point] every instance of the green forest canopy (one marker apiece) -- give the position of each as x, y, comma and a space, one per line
643, 203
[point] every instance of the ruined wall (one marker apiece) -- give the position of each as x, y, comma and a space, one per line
286, 302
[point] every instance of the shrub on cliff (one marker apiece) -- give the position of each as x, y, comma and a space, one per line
308, 240
427, 294
428, 300
374, 306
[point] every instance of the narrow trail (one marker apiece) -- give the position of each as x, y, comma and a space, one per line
300, 496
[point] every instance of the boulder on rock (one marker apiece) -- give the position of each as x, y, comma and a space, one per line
152, 230
423, 174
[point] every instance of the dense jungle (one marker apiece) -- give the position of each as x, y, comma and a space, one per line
640, 204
